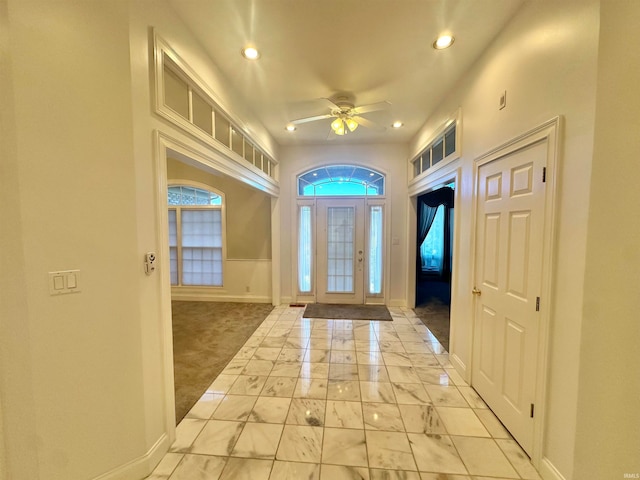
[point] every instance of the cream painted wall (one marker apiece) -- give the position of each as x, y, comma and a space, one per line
74, 190
608, 421
19, 454
390, 159
546, 61
83, 389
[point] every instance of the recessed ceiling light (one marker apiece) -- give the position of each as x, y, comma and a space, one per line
443, 41
250, 53
290, 127
397, 124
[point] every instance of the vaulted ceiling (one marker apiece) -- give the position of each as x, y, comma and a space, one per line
372, 50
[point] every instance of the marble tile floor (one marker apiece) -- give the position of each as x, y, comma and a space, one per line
341, 400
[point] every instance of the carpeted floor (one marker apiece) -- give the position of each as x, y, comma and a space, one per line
206, 335
347, 312
435, 315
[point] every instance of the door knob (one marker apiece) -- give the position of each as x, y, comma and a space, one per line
477, 292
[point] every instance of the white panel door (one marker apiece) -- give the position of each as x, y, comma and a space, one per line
509, 240
340, 252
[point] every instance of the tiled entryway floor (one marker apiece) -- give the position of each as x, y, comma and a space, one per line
342, 399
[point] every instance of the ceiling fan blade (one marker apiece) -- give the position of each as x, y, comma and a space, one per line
368, 123
311, 119
331, 105
371, 107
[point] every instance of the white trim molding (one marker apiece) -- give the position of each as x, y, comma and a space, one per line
162, 51
213, 161
548, 471
416, 182
142, 466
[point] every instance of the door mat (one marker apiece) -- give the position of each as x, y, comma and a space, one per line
347, 312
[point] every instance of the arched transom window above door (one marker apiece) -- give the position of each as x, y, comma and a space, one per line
341, 180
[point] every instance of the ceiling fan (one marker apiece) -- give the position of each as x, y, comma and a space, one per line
346, 115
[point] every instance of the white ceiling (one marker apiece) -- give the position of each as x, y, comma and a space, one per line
376, 50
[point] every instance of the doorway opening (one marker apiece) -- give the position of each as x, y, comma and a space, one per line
434, 258
341, 235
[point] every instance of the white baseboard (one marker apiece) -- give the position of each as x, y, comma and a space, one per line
460, 367
285, 300
548, 471
397, 302
140, 467
197, 297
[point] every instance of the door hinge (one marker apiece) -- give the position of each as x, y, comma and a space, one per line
537, 304
544, 174
532, 408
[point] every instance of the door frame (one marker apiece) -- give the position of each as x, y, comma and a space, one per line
166, 144
312, 297
549, 133
451, 172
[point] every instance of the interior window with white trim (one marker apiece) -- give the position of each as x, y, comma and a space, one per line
195, 236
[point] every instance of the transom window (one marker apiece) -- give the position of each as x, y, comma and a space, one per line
195, 236
185, 195
443, 147
341, 180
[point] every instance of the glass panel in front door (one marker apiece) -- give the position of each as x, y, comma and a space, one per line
340, 247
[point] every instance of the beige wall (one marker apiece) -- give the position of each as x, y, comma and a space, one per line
248, 211
19, 457
546, 61
84, 384
608, 426
78, 363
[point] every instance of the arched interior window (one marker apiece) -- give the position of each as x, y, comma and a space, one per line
341, 180
195, 236
186, 195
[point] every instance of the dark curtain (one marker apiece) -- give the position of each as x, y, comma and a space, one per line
426, 214
427, 207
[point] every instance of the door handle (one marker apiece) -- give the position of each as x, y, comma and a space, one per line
476, 292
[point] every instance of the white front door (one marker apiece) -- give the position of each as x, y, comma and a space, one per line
340, 250
508, 272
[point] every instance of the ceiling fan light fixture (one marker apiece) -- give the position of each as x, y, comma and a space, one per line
443, 41
250, 53
338, 126
351, 124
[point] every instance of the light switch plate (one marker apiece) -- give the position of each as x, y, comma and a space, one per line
64, 281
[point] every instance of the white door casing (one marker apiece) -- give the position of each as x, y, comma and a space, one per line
510, 224
340, 253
